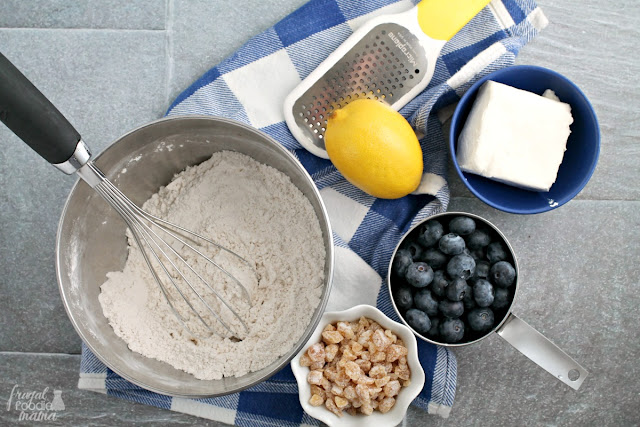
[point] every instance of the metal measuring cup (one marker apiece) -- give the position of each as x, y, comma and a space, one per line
510, 327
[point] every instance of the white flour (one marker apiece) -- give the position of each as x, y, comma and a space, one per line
258, 213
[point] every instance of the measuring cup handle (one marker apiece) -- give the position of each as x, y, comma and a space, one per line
543, 352
33, 118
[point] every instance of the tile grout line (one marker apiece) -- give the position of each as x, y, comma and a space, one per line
572, 200
35, 353
131, 30
168, 51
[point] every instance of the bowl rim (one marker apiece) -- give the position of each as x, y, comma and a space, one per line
471, 92
403, 400
283, 361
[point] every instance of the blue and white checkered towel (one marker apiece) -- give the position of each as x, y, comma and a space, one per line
250, 86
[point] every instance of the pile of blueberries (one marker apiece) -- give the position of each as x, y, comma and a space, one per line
453, 281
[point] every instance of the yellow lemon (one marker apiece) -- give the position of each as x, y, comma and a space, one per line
375, 148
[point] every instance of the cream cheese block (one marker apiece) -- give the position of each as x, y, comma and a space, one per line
514, 136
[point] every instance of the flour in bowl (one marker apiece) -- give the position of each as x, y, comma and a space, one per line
255, 211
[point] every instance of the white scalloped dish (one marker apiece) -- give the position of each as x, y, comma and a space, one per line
404, 397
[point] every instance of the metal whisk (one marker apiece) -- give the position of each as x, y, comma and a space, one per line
32, 117
147, 230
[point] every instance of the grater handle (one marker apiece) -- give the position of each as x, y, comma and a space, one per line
442, 19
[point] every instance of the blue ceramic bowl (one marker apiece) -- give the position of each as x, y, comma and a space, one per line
580, 158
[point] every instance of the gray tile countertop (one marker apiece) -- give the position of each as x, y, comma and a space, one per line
112, 65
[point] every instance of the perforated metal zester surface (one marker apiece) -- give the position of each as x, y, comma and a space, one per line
384, 65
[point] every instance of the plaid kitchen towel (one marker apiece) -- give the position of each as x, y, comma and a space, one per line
250, 86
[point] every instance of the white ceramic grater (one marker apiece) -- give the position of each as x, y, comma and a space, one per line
390, 58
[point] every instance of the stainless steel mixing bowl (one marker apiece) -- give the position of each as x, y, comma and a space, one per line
91, 238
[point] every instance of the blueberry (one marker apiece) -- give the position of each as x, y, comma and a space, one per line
403, 298
468, 301
482, 270
451, 244
401, 261
426, 302
451, 309
418, 320
478, 254
439, 283
461, 266
434, 332
502, 274
452, 330
429, 233
478, 239
434, 257
496, 252
414, 249
462, 225
456, 289
483, 293
501, 299
480, 319
419, 275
